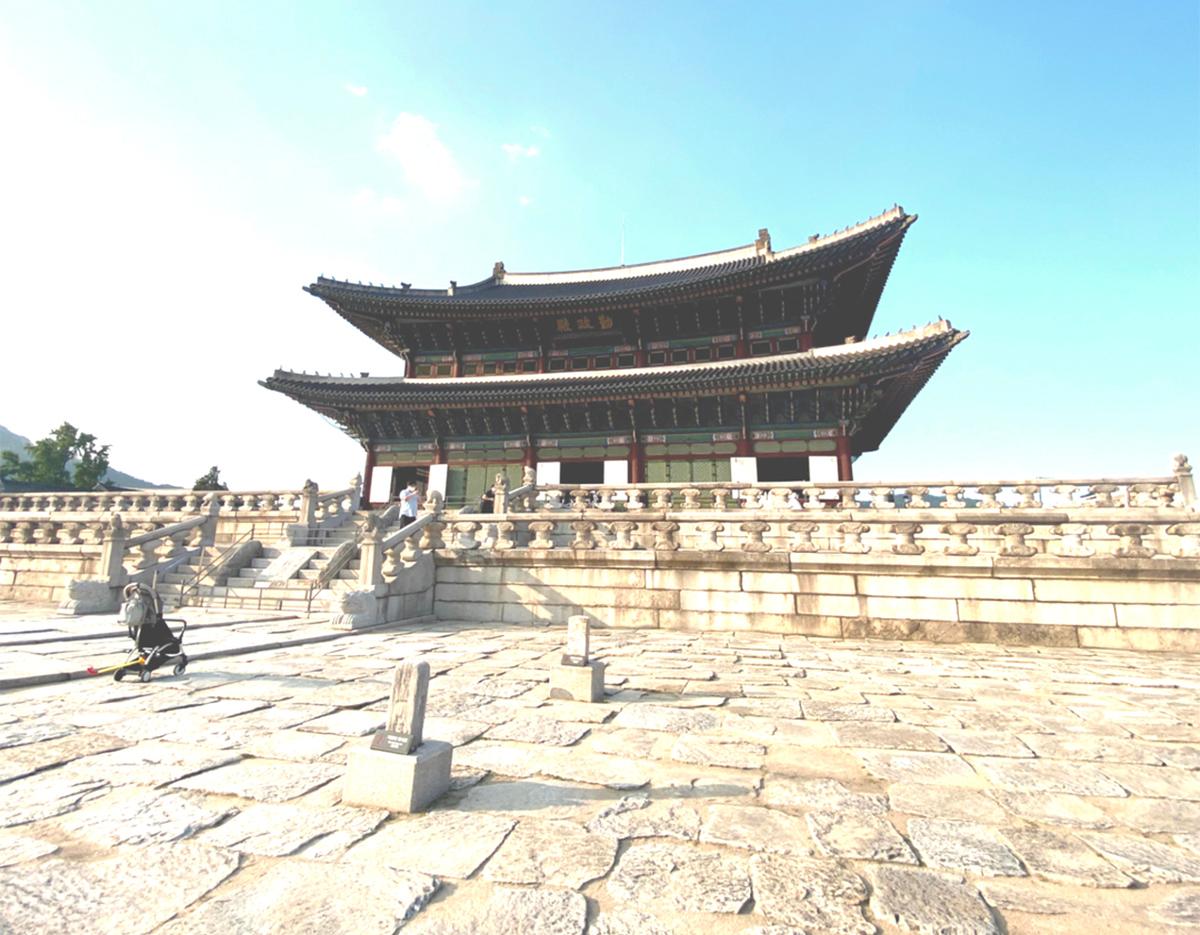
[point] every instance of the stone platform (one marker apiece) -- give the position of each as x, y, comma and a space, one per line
729, 784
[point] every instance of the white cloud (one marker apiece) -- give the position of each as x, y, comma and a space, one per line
524, 201
516, 151
370, 200
427, 162
358, 90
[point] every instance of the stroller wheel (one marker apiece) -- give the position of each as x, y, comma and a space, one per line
181, 666
119, 674
144, 675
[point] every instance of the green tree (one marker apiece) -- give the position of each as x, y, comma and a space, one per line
49, 461
210, 481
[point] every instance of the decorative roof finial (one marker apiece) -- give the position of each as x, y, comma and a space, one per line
453, 286
762, 246
498, 271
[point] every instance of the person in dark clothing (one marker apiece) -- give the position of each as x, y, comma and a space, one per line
487, 503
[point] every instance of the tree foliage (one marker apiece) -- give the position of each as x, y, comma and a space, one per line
49, 461
210, 481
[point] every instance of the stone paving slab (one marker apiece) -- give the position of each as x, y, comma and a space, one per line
729, 783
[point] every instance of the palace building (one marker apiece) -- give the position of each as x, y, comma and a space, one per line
745, 364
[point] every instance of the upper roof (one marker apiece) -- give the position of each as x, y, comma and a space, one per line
873, 242
910, 356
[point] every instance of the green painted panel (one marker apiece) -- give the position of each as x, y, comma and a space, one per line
679, 472
514, 454
597, 451
822, 444
793, 446
703, 472
656, 451
723, 471
766, 448
724, 448
678, 449
656, 472
456, 486
616, 451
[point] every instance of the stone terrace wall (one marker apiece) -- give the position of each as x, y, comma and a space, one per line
1045, 600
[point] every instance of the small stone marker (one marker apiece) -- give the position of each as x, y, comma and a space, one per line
406, 711
577, 641
400, 771
577, 677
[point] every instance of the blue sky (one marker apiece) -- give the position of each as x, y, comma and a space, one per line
173, 174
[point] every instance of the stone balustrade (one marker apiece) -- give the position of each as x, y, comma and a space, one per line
1002, 495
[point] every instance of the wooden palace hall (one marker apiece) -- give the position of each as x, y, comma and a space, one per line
747, 364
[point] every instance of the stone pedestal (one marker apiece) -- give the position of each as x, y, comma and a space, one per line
578, 682
398, 782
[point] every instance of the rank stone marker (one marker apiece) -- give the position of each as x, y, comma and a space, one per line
577, 677
400, 771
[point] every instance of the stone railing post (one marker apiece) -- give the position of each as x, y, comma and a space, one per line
1131, 545
583, 534
852, 534
706, 540
906, 543
540, 534
957, 533
500, 493
1189, 542
1014, 539
370, 556
1186, 483
356, 492
112, 553
308, 503
755, 530
622, 531
665, 539
802, 537
1073, 536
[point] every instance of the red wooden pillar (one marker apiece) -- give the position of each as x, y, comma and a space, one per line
367, 472
530, 459
845, 465
637, 463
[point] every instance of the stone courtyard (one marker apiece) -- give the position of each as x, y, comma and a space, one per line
730, 783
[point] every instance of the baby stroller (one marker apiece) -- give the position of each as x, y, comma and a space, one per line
154, 643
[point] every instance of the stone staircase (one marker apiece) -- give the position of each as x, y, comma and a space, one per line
280, 579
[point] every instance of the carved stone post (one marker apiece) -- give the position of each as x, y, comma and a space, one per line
504, 537
916, 498
1131, 545
308, 503
1072, 543
954, 499
755, 530
777, 498
540, 537
691, 498
583, 534
662, 499
987, 496
1189, 544
1186, 483
906, 543
633, 500
881, 498
1014, 538
355, 492
707, 540
847, 498
68, 533
578, 677
622, 531
665, 539
112, 553
852, 534
370, 555
750, 498
431, 537
720, 495
1144, 495
957, 534
579, 499
802, 537
1102, 496
1067, 492
464, 538
500, 493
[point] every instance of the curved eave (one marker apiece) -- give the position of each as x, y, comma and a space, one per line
876, 241
905, 356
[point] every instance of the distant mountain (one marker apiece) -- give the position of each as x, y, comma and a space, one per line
11, 441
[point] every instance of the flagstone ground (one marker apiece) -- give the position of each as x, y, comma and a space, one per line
730, 783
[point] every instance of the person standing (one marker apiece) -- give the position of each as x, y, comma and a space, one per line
409, 498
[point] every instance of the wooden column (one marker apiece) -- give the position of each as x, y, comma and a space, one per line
367, 472
637, 453
806, 333
744, 448
845, 465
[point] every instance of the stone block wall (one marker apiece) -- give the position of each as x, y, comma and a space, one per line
1150, 604
40, 573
